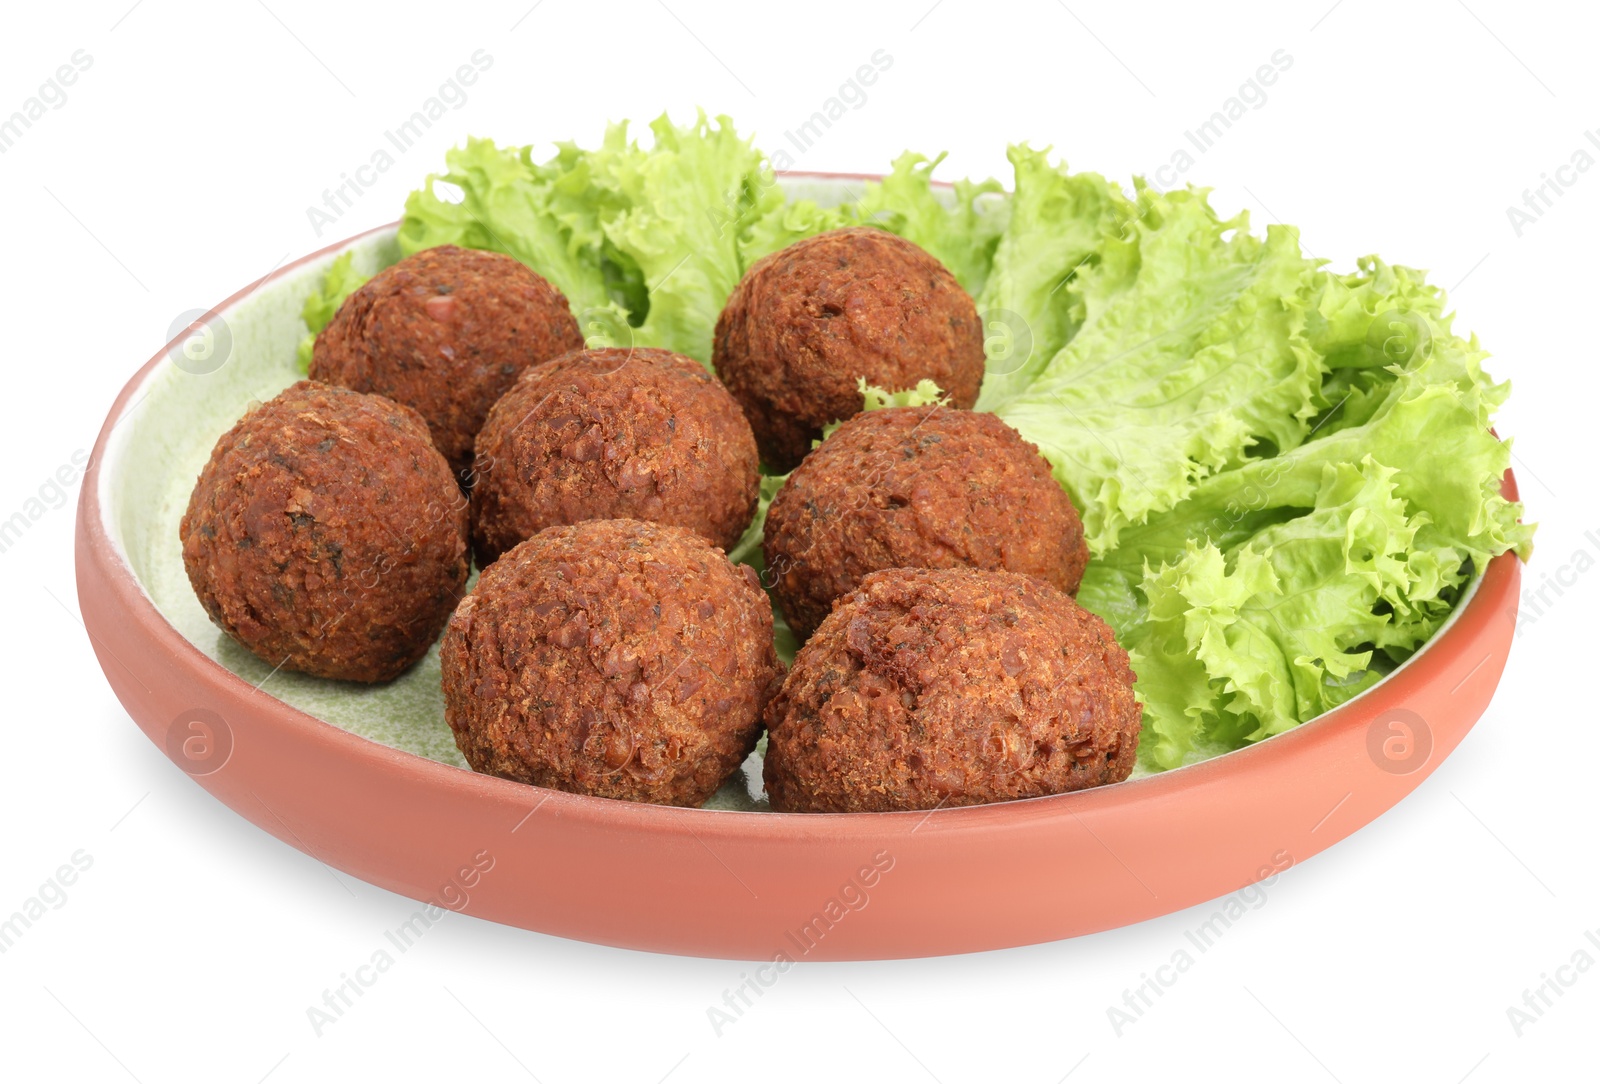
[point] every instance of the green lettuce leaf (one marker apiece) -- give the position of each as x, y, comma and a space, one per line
546, 215
779, 226
1240, 645
961, 224
656, 237
682, 208
1058, 224
1192, 355
926, 393
961, 228
1283, 586
338, 282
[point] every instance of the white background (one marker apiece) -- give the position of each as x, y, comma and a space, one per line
180, 168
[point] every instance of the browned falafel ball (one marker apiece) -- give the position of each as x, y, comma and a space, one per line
446, 331
617, 658
614, 434
808, 322
327, 535
917, 487
942, 687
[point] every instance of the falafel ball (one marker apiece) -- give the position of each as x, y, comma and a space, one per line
613, 657
917, 487
327, 534
808, 322
614, 434
446, 331
936, 687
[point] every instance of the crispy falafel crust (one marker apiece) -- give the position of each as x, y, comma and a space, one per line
806, 323
917, 487
947, 687
327, 534
446, 331
614, 657
614, 434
